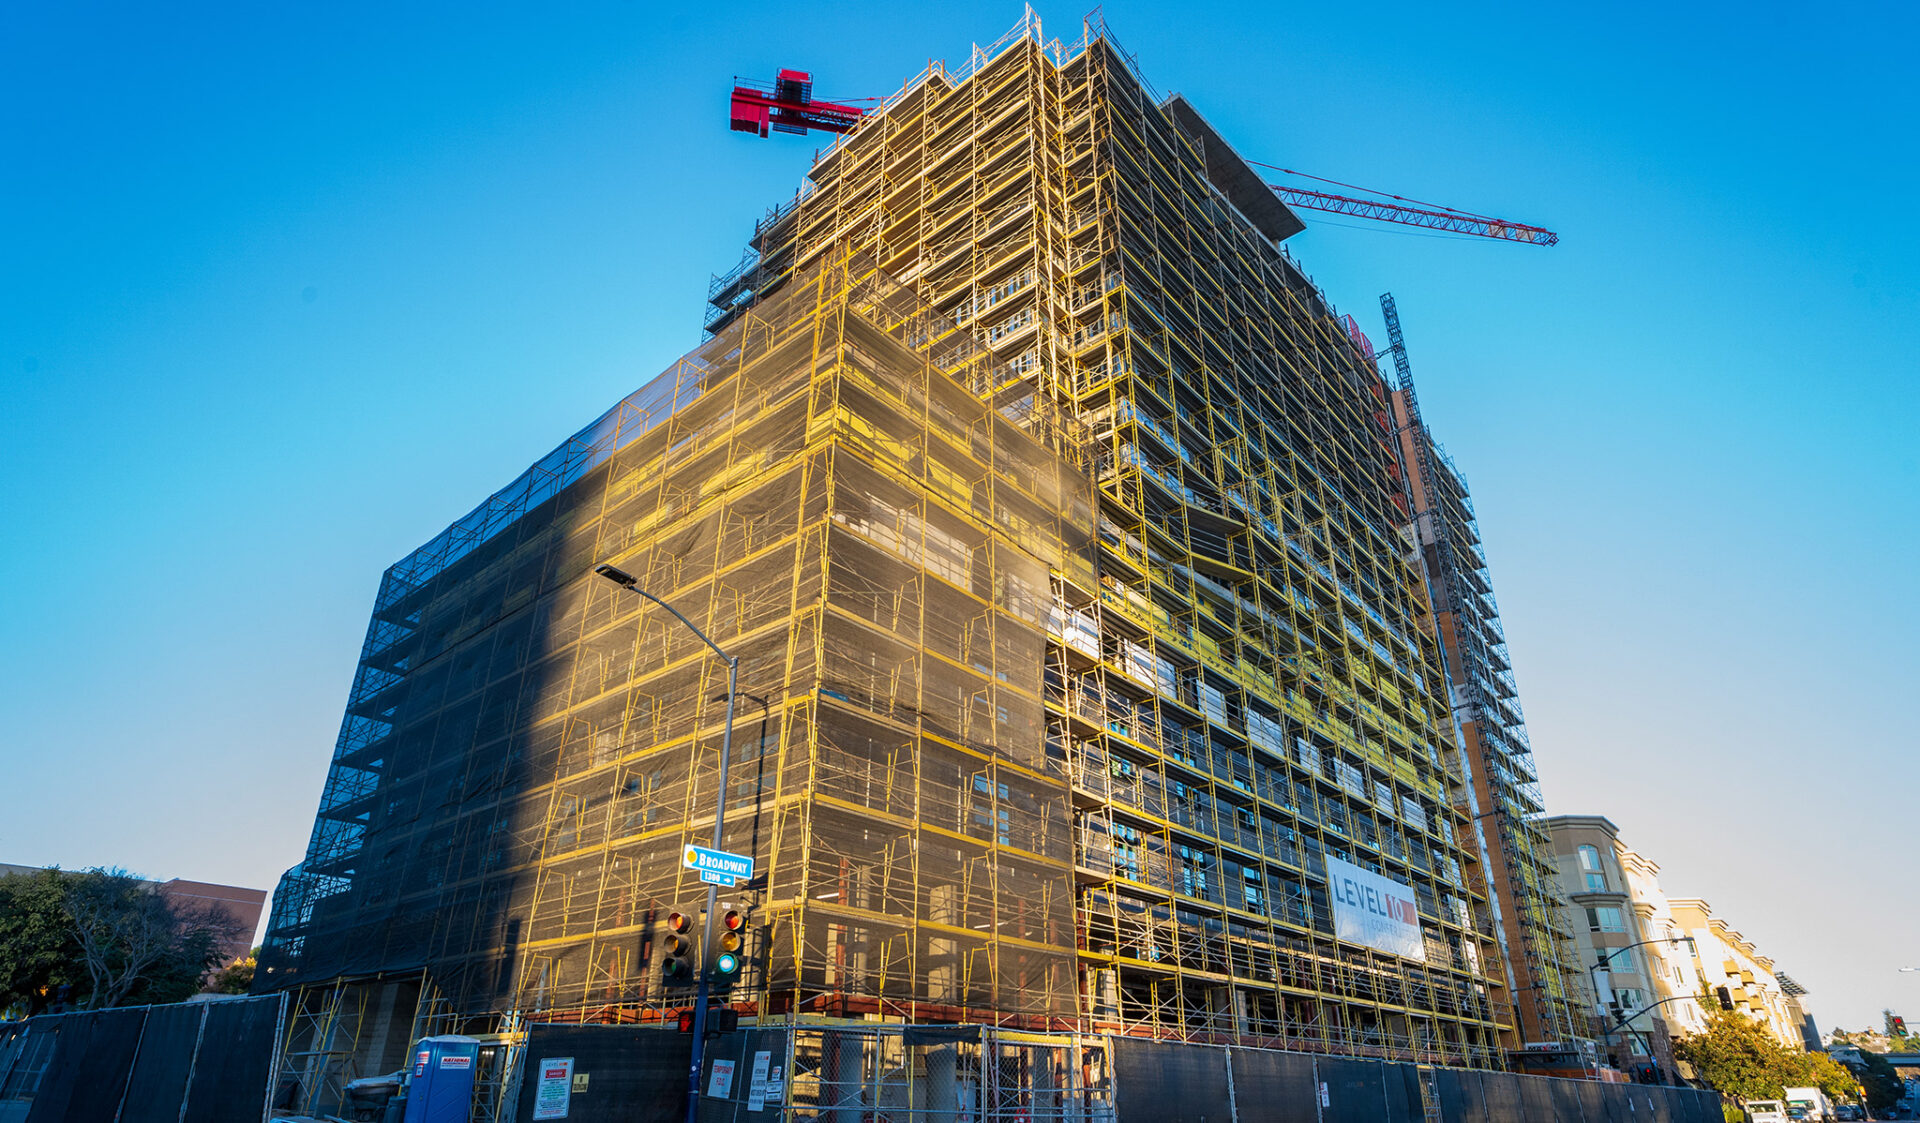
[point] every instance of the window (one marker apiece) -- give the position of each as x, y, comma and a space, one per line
1255, 901
639, 798
1606, 920
988, 819
1590, 865
1621, 961
1193, 872
1126, 851
566, 821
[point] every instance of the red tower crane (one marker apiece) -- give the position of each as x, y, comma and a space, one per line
787, 106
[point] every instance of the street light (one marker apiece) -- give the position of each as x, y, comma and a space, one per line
631, 583
1592, 971
1593, 978
1626, 1019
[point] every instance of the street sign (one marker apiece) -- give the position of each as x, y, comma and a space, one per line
717, 867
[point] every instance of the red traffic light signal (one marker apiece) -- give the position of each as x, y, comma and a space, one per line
676, 960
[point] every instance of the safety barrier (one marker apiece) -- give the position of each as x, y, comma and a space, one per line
210, 1062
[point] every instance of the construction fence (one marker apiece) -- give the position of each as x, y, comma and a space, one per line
214, 1061
210, 1062
981, 1074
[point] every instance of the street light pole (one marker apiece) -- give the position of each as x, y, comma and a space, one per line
1627, 1018
632, 584
1593, 978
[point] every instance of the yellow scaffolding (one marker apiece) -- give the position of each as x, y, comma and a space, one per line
1251, 679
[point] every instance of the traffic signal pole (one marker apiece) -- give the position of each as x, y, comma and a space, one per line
632, 584
713, 895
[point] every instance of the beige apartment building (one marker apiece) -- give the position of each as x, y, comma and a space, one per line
1620, 948
1671, 970
1650, 958
1724, 958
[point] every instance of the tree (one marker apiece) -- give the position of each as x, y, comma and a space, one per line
1737, 1057
102, 938
138, 946
1822, 1071
236, 977
39, 956
1883, 1084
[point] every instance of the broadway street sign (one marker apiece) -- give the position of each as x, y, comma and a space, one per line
717, 867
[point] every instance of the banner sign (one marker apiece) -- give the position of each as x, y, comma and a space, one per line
1373, 910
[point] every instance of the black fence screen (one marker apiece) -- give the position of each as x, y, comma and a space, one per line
1157, 1081
755, 1055
1354, 1090
1462, 1098
163, 1068
594, 1073
208, 1062
1566, 1100
1164, 1082
1282, 1084
852, 1073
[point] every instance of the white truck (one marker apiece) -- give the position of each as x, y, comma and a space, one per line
1808, 1105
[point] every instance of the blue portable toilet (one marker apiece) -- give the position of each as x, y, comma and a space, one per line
440, 1082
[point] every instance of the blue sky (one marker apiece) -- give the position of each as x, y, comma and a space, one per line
286, 288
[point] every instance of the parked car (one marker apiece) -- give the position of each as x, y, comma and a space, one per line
1808, 1105
1767, 1111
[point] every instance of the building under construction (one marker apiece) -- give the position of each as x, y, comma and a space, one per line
1549, 985
1090, 675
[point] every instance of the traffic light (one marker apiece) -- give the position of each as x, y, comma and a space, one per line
676, 950
1726, 997
720, 1020
1897, 1024
729, 950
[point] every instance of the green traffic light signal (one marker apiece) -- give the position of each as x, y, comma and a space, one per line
728, 949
